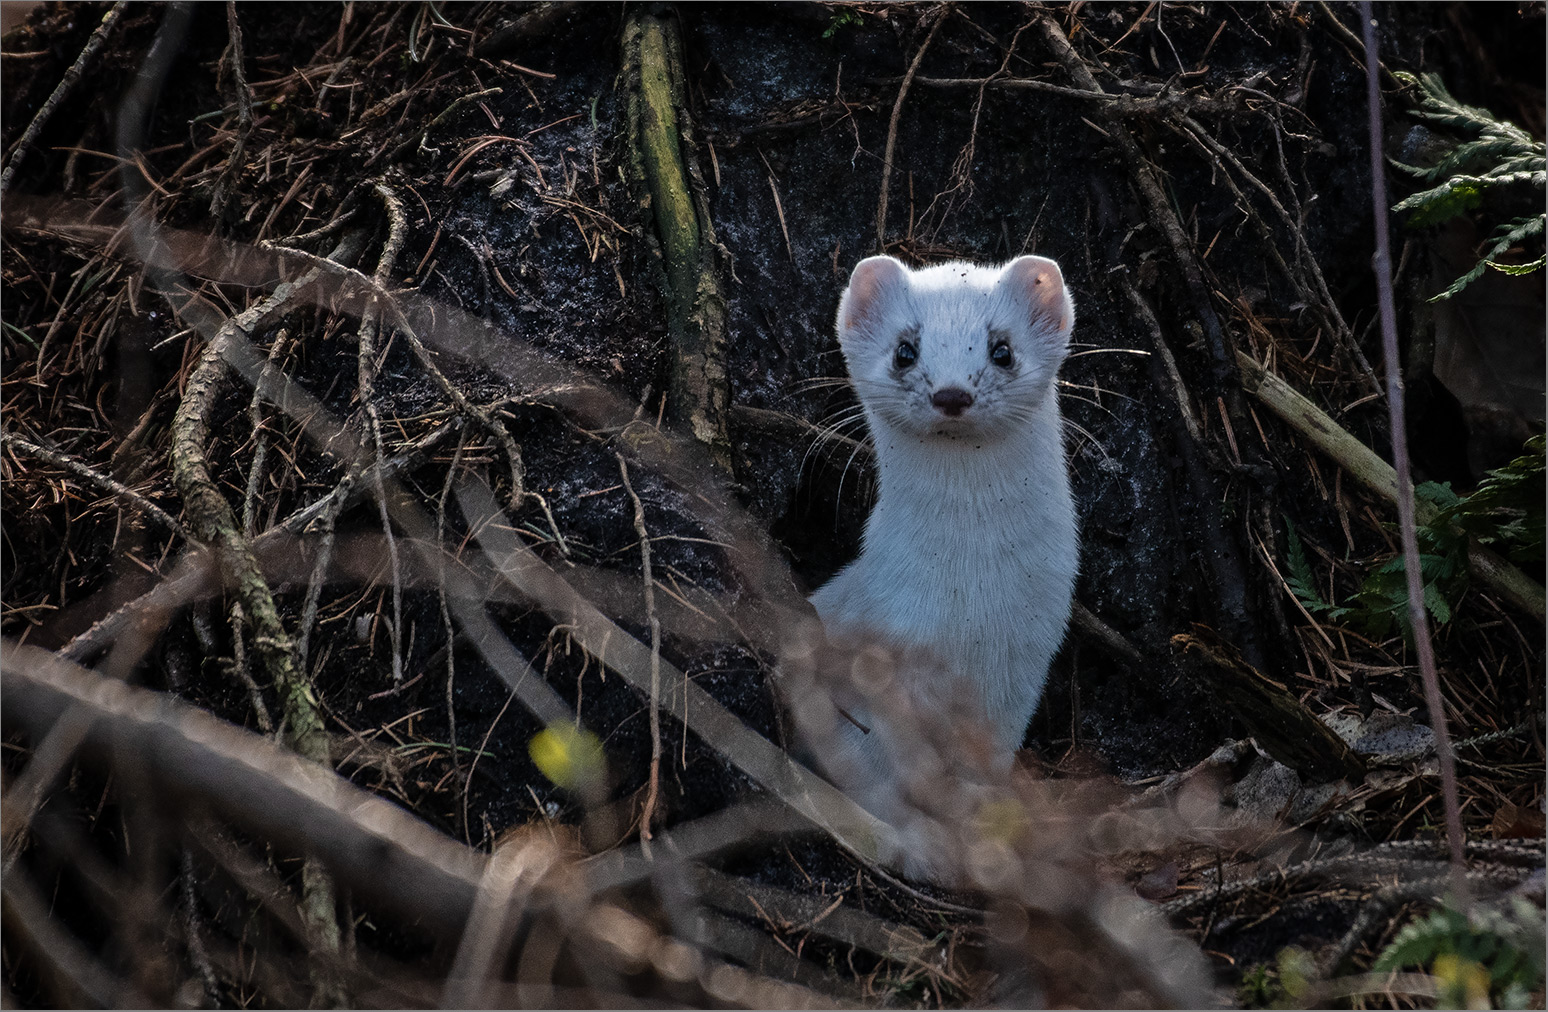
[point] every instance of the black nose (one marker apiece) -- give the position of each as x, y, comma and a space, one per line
952, 400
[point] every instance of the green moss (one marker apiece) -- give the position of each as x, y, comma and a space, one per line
671, 202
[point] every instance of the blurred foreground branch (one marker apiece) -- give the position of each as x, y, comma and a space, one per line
197, 760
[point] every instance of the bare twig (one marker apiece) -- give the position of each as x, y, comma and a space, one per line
418, 143
374, 845
61, 91
71, 974
242, 668
1418, 617
853, 827
655, 654
255, 416
892, 130
1148, 181
96, 478
380, 298
244, 98
366, 364
193, 578
830, 919
446, 624
1329, 305
1223, 557
193, 929
508, 880
1352, 41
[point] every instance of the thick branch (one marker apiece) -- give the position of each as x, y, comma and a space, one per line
661, 142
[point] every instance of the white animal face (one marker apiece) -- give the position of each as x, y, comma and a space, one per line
955, 351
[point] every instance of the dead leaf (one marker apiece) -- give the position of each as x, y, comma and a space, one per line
1514, 821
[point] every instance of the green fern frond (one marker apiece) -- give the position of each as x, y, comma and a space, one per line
1517, 232
1436, 105
1302, 581
1500, 950
1506, 512
1489, 155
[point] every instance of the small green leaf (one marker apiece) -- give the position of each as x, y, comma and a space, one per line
1517, 270
1437, 494
1435, 601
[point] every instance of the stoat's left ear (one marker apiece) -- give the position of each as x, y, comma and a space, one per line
1038, 282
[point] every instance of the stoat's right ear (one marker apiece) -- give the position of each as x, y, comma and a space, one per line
874, 284
1039, 283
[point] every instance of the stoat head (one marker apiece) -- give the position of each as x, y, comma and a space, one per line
956, 351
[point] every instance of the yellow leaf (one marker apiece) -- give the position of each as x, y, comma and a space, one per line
569, 756
1464, 983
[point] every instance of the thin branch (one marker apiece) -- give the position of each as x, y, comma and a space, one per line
1405, 499
71, 975
854, 828
244, 97
366, 365
61, 91
192, 756
655, 654
91, 474
892, 132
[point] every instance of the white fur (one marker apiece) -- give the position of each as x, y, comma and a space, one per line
971, 553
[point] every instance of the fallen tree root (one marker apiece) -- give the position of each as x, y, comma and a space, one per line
1280, 723
194, 757
199, 763
212, 520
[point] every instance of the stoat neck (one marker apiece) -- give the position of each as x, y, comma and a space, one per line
939, 484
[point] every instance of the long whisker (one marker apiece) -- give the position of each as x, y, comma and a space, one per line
1093, 350
833, 432
843, 475
817, 383
1083, 431
1096, 404
1095, 389
847, 412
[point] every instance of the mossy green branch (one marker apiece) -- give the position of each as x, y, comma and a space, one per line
673, 197
1376, 474
671, 205
212, 521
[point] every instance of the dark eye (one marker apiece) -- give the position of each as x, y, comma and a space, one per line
1001, 355
905, 356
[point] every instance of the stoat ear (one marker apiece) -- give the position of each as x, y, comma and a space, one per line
1038, 282
875, 283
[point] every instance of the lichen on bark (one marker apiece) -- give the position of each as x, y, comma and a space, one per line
672, 194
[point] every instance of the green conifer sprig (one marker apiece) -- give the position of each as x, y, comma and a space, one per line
1491, 155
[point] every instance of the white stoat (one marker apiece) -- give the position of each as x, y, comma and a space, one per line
970, 554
